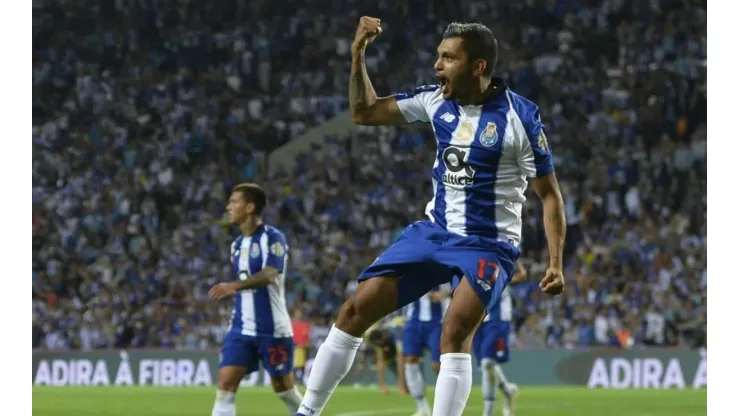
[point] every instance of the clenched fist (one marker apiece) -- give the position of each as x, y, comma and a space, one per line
553, 283
367, 30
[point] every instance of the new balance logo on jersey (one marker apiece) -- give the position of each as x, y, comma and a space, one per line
458, 171
447, 117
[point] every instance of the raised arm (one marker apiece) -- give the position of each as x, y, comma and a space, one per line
365, 106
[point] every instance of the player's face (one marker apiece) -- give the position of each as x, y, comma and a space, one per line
453, 69
238, 208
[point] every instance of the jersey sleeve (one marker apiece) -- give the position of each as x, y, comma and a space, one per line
415, 106
534, 156
277, 251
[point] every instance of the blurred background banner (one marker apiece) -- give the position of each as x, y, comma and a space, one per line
656, 368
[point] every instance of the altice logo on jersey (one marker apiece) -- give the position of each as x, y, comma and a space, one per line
458, 171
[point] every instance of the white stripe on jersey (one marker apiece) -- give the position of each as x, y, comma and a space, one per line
249, 323
280, 315
462, 136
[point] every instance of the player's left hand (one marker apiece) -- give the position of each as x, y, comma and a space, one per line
553, 282
221, 291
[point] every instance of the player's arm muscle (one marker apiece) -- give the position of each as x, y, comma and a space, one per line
264, 277
365, 106
548, 190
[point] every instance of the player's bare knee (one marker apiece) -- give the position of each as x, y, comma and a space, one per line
346, 314
351, 318
373, 299
282, 383
228, 383
453, 338
457, 333
229, 378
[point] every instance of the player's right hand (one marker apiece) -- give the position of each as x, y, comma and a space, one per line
367, 30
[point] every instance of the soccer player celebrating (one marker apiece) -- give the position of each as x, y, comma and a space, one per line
491, 347
423, 329
260, 328
489, 141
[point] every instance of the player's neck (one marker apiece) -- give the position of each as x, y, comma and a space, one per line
478, 94
249, 226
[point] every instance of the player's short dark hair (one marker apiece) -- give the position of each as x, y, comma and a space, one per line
478, 40
253, 193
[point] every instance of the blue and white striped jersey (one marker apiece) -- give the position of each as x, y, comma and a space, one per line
425, 310
484, 155
260, 311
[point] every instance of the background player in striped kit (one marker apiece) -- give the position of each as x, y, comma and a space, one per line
423, 330
491, 347
260, 328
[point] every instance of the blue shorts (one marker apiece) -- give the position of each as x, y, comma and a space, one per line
492, 341
420, 335
246, 351
425, 256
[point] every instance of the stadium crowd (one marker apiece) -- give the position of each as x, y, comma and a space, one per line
147, 112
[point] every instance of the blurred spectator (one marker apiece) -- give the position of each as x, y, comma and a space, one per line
302, 339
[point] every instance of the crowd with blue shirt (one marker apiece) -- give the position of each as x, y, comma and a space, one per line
146, 114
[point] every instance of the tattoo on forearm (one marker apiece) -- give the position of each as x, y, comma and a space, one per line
357, 91
555, 228
555, 217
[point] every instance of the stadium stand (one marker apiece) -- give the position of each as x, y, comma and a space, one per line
147, 112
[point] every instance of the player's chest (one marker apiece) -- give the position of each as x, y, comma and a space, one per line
246, 258
472, 135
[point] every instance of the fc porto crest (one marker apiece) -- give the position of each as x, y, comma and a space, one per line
489, 136
255, 251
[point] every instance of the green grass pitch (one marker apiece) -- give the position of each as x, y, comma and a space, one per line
347, 401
